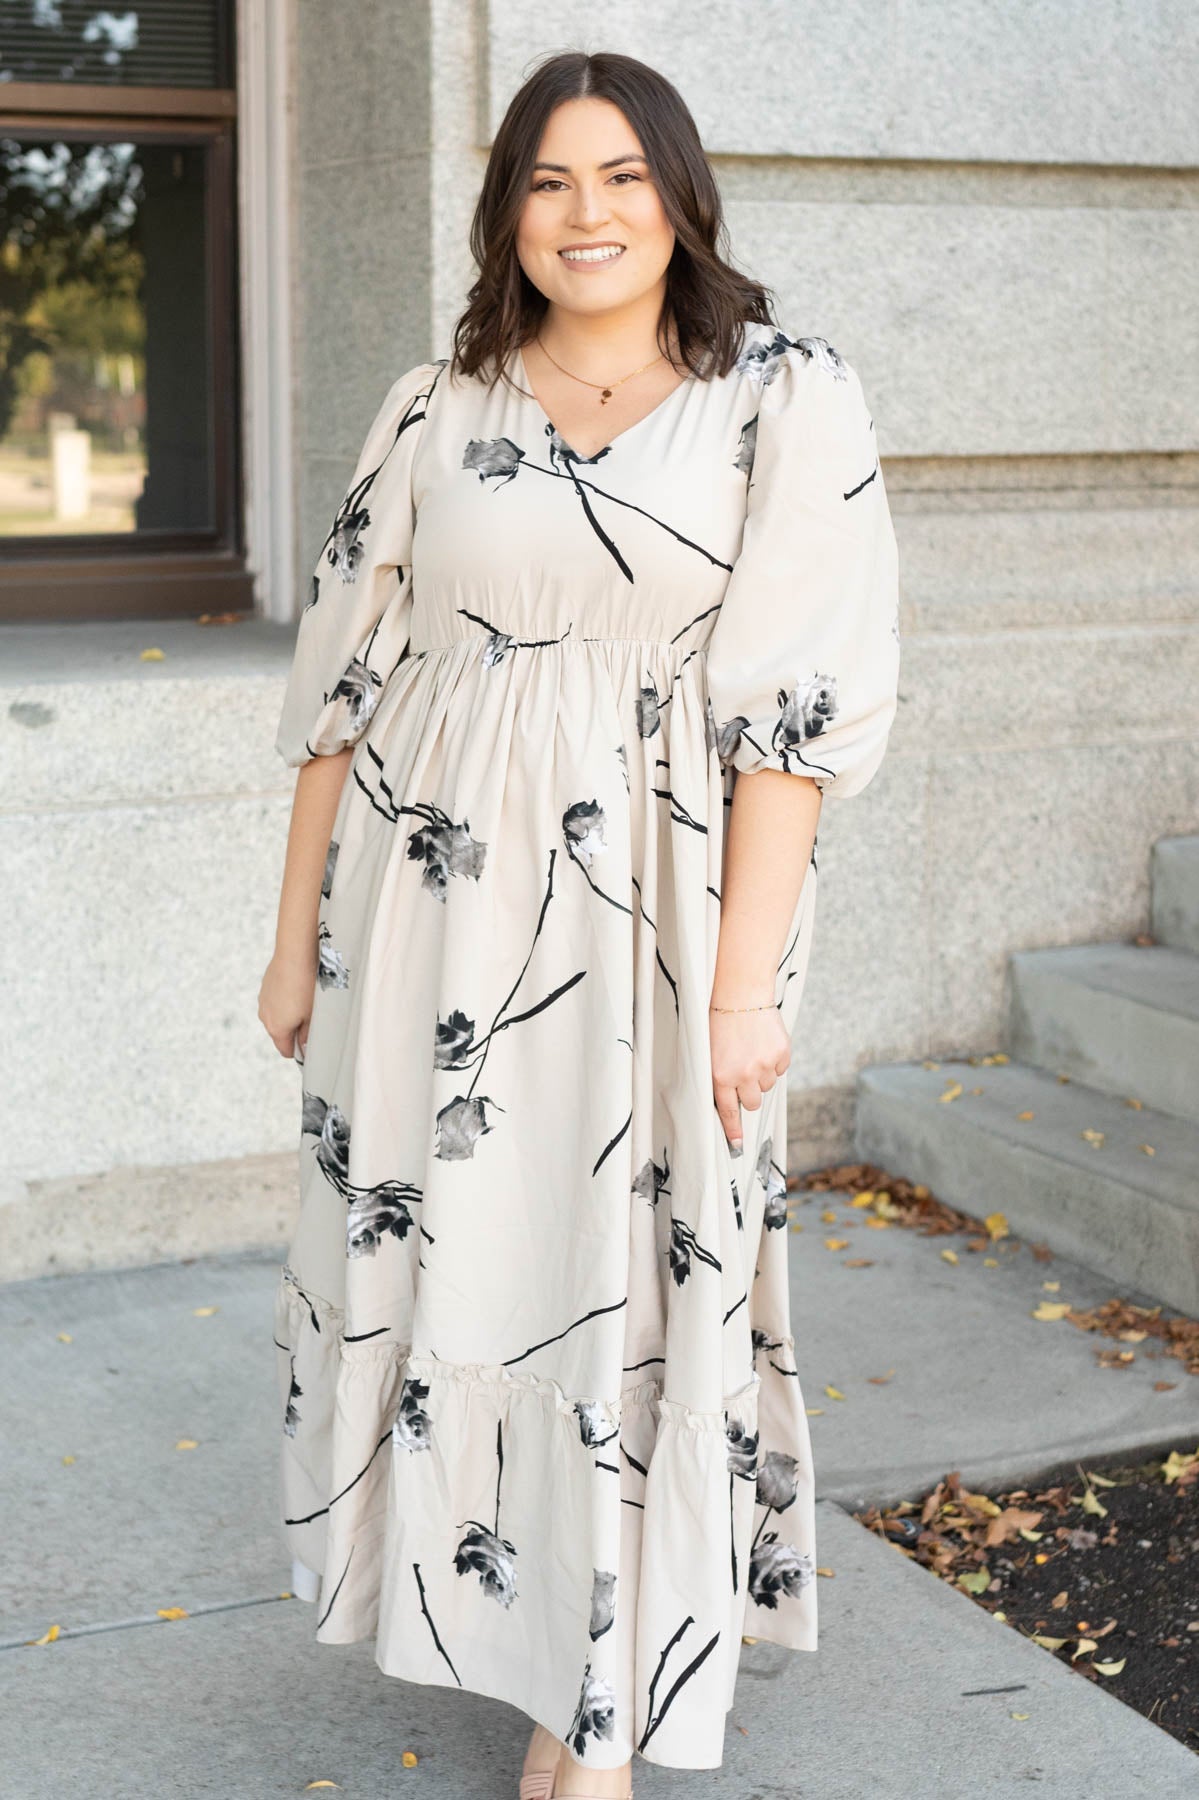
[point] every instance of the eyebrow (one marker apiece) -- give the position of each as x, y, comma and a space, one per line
613, 161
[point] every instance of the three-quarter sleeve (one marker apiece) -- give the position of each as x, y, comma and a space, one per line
355, 624
803, 661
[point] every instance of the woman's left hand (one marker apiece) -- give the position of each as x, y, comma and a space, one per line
750, 1051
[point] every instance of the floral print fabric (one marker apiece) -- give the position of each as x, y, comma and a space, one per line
542, 1429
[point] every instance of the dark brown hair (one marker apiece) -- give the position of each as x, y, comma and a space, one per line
706, 297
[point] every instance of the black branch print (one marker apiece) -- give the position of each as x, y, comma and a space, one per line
595, 1313
683, 1246
499, 460
655, 1718
333, 1596
483, 1551
670, 980
344, 547
742, 1465
424, 1606
320, 1511
762, 1341
462, 1121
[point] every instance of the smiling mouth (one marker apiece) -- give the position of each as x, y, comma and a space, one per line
601, 254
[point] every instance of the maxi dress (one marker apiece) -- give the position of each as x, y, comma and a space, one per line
543, 1435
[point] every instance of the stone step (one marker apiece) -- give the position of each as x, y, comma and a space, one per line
1120, 1017
1174, 875
1115, 1209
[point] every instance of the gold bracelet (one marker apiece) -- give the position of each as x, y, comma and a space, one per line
766, 1008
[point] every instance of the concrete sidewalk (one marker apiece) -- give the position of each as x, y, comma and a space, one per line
910, 1696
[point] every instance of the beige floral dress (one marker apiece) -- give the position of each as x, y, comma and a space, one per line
542, 1428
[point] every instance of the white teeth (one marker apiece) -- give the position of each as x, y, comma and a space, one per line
592, 255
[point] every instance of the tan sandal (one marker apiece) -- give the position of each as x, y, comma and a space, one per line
541, 1784
551, 1791
538, 1784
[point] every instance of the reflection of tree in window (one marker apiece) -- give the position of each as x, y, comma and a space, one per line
103, 331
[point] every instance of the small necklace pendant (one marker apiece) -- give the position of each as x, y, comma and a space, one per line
605, 396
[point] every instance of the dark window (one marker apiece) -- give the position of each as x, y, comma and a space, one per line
119, 451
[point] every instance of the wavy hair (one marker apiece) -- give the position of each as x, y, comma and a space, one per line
707, 298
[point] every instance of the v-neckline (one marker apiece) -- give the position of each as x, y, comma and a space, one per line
628, 430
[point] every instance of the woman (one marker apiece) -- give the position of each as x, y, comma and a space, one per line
583, 650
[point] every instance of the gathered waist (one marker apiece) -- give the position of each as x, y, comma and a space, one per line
510, 641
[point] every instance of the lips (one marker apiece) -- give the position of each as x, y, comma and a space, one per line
592, 253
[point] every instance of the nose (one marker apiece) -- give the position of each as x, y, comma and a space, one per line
590, 206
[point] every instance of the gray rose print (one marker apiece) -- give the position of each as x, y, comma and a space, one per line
776, 1567
411, 1428
776, 1481
379, 1212
331, 970
372, 1212
460, 1123
345, 547
775, 1183
762, 361
595, 1714
484, 1552
743, 1448
492, 1558
804, 711
291, 1417
651, 1180
595, 1426
358, 691
583, 828
330, 865
747, 445
446, 848
649, 710
603, 1602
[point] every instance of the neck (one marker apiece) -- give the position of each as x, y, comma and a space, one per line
604, 346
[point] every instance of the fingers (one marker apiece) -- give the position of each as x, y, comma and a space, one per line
728, 1114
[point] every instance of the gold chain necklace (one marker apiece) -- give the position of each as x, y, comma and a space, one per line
607, 392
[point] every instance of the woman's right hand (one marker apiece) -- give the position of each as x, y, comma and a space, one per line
285, 1002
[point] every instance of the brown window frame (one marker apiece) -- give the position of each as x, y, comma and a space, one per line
164, 574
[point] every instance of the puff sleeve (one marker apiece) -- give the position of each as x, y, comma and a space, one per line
355, 624
803, 660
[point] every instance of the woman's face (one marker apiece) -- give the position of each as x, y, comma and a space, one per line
596, 191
